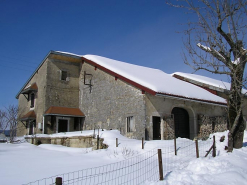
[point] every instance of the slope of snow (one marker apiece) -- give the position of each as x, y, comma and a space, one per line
207, 80
23, 163
155, 79
68, 53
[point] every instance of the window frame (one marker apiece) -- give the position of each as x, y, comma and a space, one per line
64, 77
130, 124
32, 100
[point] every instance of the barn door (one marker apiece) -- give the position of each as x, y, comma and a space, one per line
181, 122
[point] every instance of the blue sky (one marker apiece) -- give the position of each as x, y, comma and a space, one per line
142, 32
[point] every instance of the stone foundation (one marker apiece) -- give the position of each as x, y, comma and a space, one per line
74, 141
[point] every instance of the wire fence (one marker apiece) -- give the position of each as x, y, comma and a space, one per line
135, 170
185, 152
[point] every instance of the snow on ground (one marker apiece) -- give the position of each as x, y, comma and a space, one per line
226, 168
24, 162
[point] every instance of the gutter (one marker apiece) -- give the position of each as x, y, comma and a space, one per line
192, 100
64, 115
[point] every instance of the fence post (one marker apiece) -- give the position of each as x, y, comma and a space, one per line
142, 143
214, 148
175, 145
116, 142
97, 142
59, 181
160, 164
197, 149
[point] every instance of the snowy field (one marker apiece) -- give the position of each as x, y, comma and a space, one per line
23, 163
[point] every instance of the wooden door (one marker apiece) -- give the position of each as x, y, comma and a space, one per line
62, 125
156, 128
181, 121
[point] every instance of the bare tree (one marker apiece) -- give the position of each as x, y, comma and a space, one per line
8, 120
3, 124
11, 117
215, 42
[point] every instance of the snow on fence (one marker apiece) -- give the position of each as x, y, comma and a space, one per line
135, 170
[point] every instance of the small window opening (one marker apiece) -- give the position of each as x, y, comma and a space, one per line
32, 97
130, 124
64, 75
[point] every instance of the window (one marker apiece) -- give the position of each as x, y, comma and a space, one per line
32, 97
64, 75
130, 124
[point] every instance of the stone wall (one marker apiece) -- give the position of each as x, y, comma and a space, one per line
38, 141
75, 141
208, 125
168, 127
220, 123
52, 91
109, 101
59, 92
162, 106
39, 103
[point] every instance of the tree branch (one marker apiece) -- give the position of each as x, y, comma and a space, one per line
216, 54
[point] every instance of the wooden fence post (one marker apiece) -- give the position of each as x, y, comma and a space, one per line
116, 142
214, 148
59, 181
142, 143
160, 164
197, 149
97, 142
175, 145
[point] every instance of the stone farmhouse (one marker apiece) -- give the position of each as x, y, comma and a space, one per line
69, 92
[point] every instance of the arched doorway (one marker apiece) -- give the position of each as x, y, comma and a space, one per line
181, 122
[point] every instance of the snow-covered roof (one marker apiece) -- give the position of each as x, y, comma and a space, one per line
155, 79
205, 80
217, 84
147, 79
